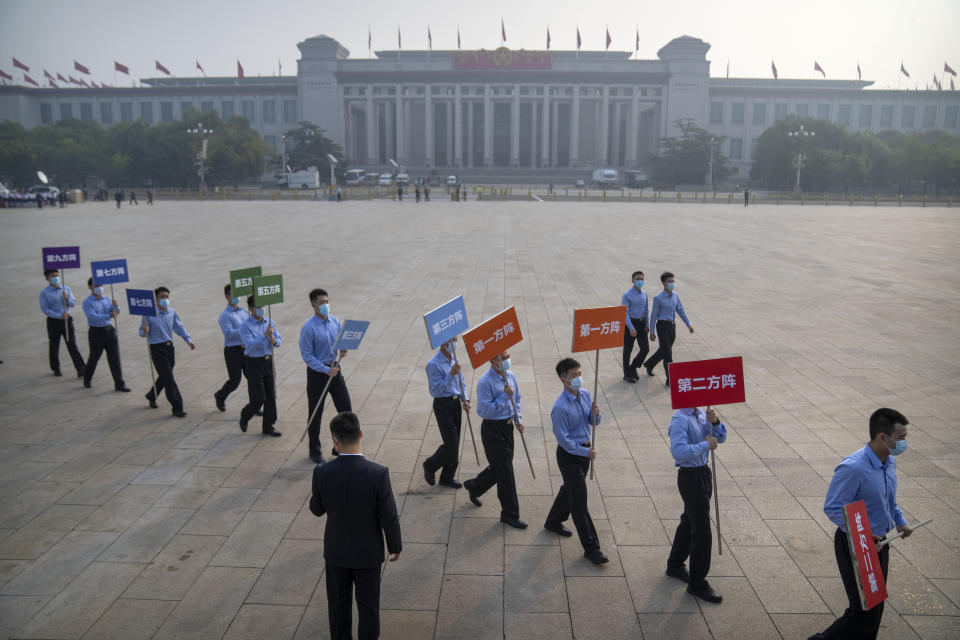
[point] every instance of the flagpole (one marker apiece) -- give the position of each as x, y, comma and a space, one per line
593, 418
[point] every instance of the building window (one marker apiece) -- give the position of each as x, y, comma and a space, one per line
823, 111
866, 116
779, 111
106, 113
950, 116
716, 113
166, 112
246, 109
803, 109
759, 113
226, 109
930, 116
736, 148
886, 115
185, 108
46, 113
737, 116
843, 115
86, 111
269, 111
753, 147
66, 110
909, 116
146, 112
289, 110
126, 111
206, 106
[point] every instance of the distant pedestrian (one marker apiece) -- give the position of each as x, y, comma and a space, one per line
133, 197
400, 193
62, 199
426, 193
84, 195
149, 196
339, 194
416, 192
464, 192
456, 192
746, 196
118, 196
39, 200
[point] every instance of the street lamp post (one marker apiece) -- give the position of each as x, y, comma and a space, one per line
202, 134
283, 154
800, 135
712, 142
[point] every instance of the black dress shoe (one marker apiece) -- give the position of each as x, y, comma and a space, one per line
705, 592
679, 573
316, 457
453, 484
516, 523
596, 557
243, 425
151, 400
558, 529
86, 384
272, 432
474, 498
179, 414
428, 475
123, 389
630, 379
58, 373
81, 371
649, 371
220, 404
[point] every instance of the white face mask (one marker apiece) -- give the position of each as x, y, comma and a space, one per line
576, 383
451, 346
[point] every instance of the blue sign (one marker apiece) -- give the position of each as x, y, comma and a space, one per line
110, 271
351, 333
446, 321
141, 302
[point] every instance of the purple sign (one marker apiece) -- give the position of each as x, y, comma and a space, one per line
61, 258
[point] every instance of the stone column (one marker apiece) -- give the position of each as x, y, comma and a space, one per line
449, 140
545, 129
429, 130
575, 128
605, 128
390, 129
487, 127
457, 128
371, 116
617, 134
632, 132
469, 162
533, 134
401, 151
515, 128
555, 134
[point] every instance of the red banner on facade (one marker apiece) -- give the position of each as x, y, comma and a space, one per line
598, 328
863, 550
502, 58
707, 382
491, 338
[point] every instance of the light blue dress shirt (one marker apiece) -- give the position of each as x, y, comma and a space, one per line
688, 430
861, 476
442, 384
230, 322
665, 307
571, 421
255, 342
52, 303
163, 326
317, 338
98, 310
493, 403
637, 306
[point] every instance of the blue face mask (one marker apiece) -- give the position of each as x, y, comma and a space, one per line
671, 286
259, 312
901, 446
505, 364
164, 302
638, 283
98, 291
576, 383
234, 301
451, 346
324, 309
55, 281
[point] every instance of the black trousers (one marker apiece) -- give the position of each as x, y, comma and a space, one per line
341, 400
571, 500
341, 585
693, 538
103, 339
449, 416
56, 328
666, 334
497, 438
855, 623
640, 326
261, 389
233, 357
164, 360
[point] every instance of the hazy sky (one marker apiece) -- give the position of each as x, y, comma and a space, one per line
50, 34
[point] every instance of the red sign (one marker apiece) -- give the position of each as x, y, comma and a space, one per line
599, 328
866, 562
491, 338
707, 382
502, 58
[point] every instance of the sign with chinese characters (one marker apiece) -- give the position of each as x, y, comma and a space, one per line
267, 290
351, 333
141, 302
599, 328
502, 58
863, 550
707, 382
241, 281
446, 322
110, 271
493, 337
61, 258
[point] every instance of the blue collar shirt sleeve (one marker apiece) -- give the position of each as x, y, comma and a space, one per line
861, 476
52, 303
688, 431
231, 320
493, 403
571, 422
441, 383
256, 344
316, 342
98, 311
178, 327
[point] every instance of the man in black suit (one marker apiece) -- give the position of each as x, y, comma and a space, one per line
356, 495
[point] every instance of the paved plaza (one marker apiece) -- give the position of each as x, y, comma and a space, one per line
122, 522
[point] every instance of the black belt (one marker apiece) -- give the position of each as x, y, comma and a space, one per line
498, 421
446, 397
258, 357
233, 346
668, 321
161, 344
106, 326
693, 468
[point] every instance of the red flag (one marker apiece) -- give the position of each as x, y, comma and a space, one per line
61, 78
608, 38
936, 83
73, 80
79, 67
161, 68
579, 40
774, 68
83, 83
30, 80
548, 37
239, 69
122, 68
5, 75
947, 69
859, 75
53, 84
429, 39
458, 37
19, 65
817, 67
197, 62
903, 70
46, 74
503, 31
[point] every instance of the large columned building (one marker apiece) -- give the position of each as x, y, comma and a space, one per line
497, 111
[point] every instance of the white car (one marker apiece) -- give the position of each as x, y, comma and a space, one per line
46, 190
451, 181
385, 180
403, 180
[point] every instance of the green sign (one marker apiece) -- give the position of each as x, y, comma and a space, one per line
241, 281
268, 290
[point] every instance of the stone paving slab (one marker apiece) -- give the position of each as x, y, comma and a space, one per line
121, 522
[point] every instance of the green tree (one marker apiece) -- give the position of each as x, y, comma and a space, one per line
236, 153
18, 158
308, 146
686, 159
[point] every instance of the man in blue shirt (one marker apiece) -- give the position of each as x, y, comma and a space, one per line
666, 306
317, 338
260, 337
693, 435
495, 402
102, 335
56, 300
868, 474
446, 387
231, 319
159, 330
572, 414
635, 300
